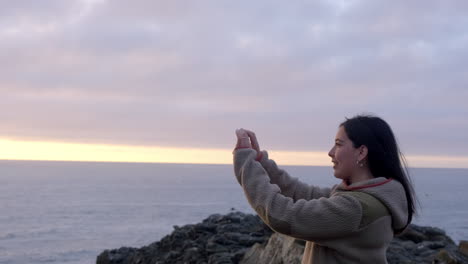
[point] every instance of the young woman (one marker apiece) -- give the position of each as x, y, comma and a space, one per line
352, 222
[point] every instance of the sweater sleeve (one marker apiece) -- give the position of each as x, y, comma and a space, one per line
290, 186
315, 219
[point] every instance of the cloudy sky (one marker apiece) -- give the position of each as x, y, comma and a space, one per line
186, 74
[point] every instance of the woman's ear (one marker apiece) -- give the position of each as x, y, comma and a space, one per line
363, 151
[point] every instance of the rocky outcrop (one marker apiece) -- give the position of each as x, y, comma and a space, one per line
278, 249
218, 239
424, 245
243, 238
463, 247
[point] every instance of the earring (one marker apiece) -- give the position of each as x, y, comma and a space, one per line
359, 163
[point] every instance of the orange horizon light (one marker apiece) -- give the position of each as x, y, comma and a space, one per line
64, 151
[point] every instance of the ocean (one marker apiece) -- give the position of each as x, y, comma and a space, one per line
69, 212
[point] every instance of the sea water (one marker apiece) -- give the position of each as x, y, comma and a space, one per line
69, 212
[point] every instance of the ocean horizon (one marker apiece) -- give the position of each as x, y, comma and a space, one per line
69, 212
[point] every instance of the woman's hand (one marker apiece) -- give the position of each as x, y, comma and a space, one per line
243, 140
247, 139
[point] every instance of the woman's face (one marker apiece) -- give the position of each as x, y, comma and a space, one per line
344, 156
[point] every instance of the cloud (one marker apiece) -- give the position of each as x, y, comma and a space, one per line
186, 74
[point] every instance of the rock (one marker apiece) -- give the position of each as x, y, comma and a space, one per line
445, 257
218, 239
279, 249
463, 247
423, 244
244, 238
116, 255
413, 234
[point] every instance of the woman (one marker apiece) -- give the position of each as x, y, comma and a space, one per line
354, 221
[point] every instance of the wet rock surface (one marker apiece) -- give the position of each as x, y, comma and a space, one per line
243, 238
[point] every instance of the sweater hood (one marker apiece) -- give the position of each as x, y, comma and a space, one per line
388, 191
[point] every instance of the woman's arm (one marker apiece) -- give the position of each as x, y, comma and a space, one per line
315, 219
290, 186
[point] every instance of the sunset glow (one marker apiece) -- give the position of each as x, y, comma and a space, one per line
62, 151
40, 150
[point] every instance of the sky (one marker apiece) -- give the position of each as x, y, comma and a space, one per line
170, 81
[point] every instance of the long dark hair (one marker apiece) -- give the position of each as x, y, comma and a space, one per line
384, 157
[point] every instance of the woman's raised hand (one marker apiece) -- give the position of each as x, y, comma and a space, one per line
247, 139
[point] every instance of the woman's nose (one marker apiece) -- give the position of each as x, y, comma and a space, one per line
331, 152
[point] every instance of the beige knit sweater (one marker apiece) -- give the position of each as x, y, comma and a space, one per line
343, 224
